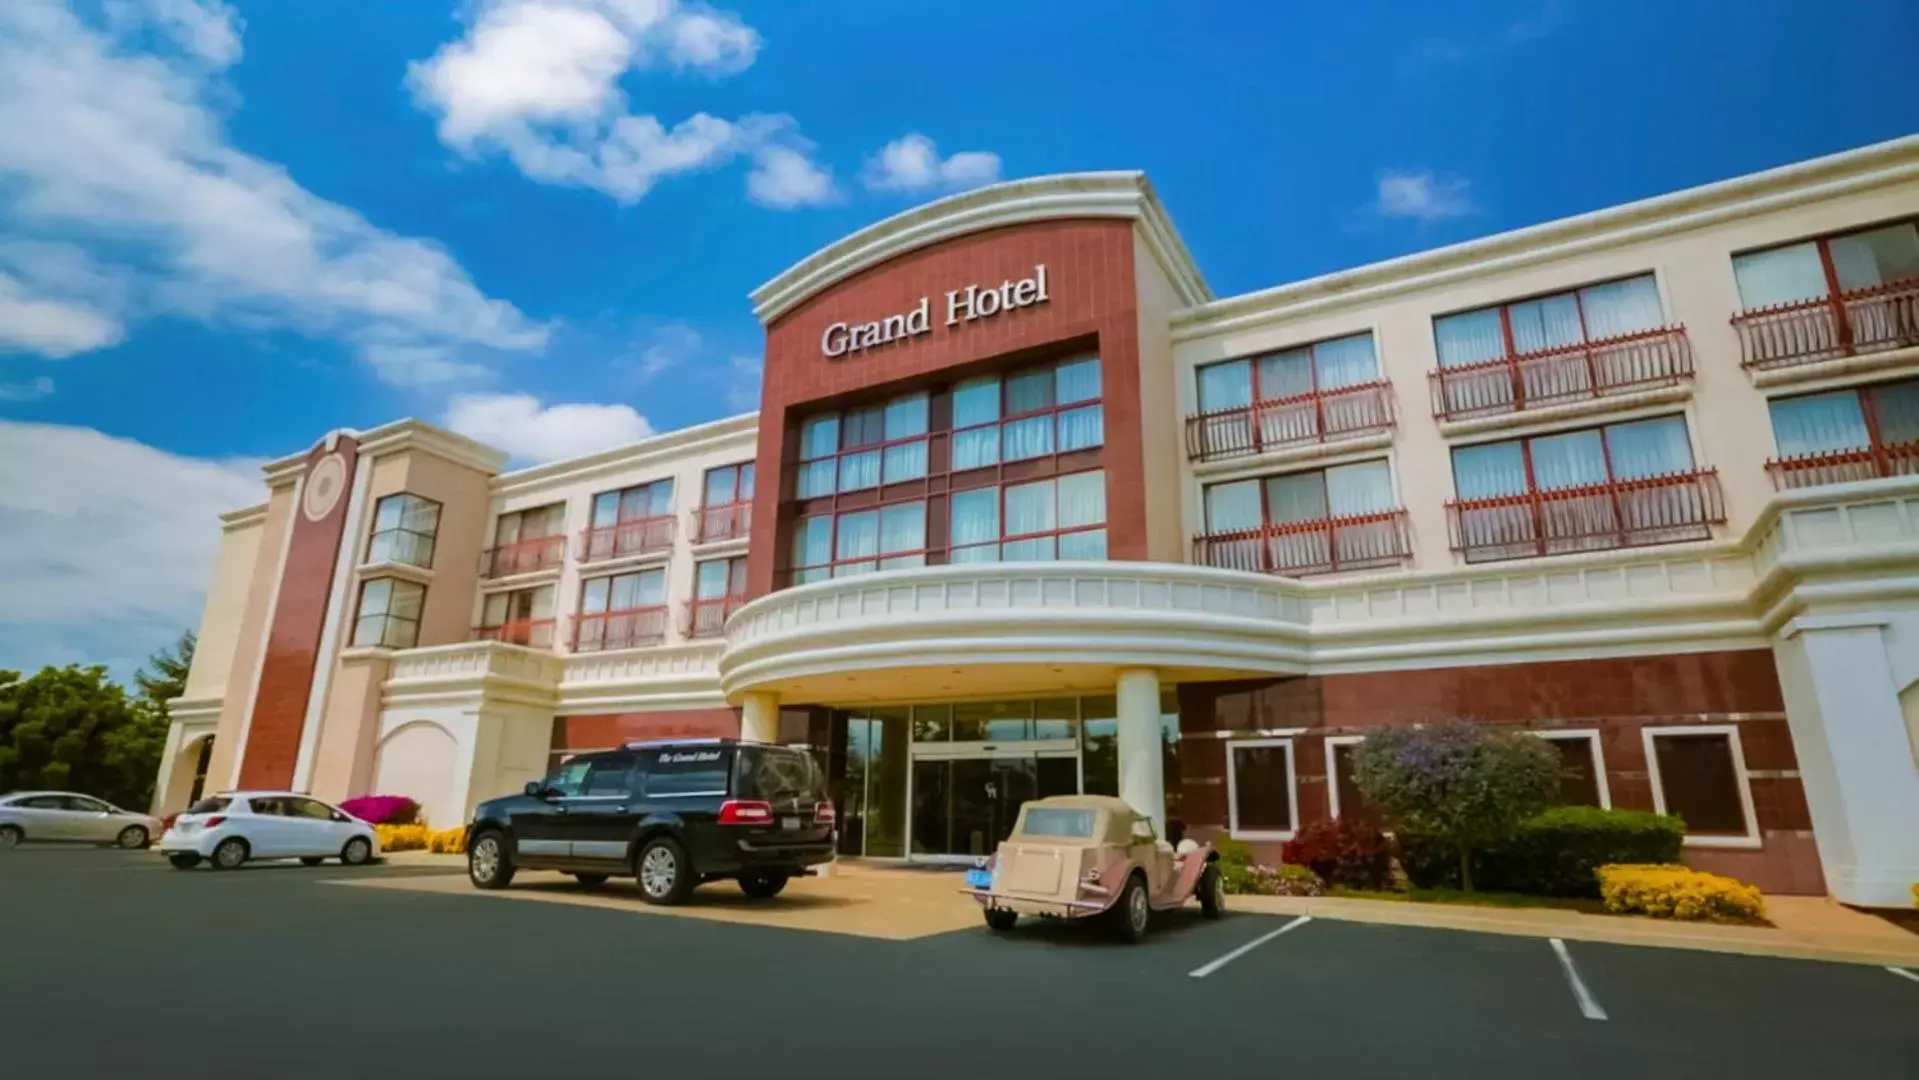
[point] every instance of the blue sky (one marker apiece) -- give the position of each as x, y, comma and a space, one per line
226, 227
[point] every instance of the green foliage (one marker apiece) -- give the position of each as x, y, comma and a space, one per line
1556, 853
1463, 785
1246, 877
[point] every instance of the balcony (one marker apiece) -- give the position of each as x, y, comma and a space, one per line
533, 633
1301, 548
1282, 422
1808, 331
727, 521
1624, 513
1571, 373
639, 536
627, 629
523, 557
1844, 466
707, 618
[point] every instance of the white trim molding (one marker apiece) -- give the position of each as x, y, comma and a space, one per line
1332, 769
1751, 838
1232, 789
1592, 737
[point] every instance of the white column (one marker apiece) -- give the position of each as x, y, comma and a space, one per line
169, 765
1142, 781
760, 717
1855, 755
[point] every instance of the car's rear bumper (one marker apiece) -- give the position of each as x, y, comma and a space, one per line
1055, 909
175, 842
749, 856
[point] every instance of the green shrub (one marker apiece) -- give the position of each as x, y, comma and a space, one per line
1244, 877
1557, 853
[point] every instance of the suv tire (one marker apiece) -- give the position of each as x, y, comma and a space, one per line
762, 886
489, 864
665, 874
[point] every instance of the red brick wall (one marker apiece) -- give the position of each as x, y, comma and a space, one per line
574, 734
293, 639
1619, 697
1089, 269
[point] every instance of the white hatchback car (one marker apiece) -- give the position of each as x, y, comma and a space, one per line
63, 815
231, 829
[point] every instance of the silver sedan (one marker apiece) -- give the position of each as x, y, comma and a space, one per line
65, 816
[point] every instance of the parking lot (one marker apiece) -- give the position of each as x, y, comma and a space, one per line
116, 965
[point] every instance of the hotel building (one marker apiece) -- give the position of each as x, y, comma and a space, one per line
1028, 510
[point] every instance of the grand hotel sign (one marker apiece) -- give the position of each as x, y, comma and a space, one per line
970, 304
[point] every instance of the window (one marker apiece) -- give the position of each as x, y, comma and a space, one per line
1807, 271
1342, 791
1064, 518
1261, 797
1617, 486
1313, 392
1052, 821
887, 538
632, 520
1028, 414
1582, 768
729, 484
528, 540
1595, 313
310, 809
389, 613
1341, 518
520, 617
719, 585
42, 802
686, 771
1309, 369
726, 505
1830, 296
863, 448
608, 776
570, 778
621, 611
1842, 435
1699, 774
404, 530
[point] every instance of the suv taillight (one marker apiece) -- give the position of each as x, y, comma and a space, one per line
824, 814
743, 812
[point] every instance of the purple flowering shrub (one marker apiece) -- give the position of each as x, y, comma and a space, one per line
383, 809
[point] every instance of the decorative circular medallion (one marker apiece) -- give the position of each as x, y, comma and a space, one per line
324, 486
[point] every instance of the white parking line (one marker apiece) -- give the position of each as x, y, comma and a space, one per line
1903, 973
1588, 1005
1202, 972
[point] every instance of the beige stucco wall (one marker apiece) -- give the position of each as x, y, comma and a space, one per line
1726, 415
1162, 437
249, 636
219, 634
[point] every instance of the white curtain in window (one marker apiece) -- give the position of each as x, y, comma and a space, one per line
1077, 380
711, 579
978, 553
976, 401
813, 542
543, 602
593, 597
905, 417
1038, 549
907, 461
606, 510
976, 447
1030, 508
1782, 275
1896, 407
659, 498
1879, 257
626, 593
1819, 424
1489, 470
860, 471
1363, 488
1546, 323
494, 613
1225, 386
1082, 499
1089, 545
721, 486
1469, 337
859, 536
1347, 361
1028, 438
1649, 448
817, 478
1029, 391
1233, 507
1286, 375
819, 437
975, 516
903, 528
1297, 497
1618, 308
1575, 459
1081, 428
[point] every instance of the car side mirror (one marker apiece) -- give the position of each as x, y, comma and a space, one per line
536, 789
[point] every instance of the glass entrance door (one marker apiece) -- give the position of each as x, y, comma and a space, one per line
966, 805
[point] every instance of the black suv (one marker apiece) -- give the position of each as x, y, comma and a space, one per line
671, 814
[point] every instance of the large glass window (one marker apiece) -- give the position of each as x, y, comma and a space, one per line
389, 613
1829, 297
519, 617
1262, 799
1062, 518
405, 528
1631, 451
1321, 521
859, 542
1805, 271
621, 611
728, 484
631, 520
1698, 774
1028, 414
528, 540
1595, 313
864, 448
1852, 434
1319, 367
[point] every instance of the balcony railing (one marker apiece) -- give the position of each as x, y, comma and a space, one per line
524, 556
1310, 547
707, 617
726, 521
1844, 466
1291, 421
619, 629
1592, 369
534, 633
1805, 332
635, 537
1625, 513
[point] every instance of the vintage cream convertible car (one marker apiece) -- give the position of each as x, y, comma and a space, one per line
1086, 856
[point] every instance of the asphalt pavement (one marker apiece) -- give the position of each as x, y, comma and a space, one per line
113, 964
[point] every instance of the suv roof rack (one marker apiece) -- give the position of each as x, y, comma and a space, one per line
642, 744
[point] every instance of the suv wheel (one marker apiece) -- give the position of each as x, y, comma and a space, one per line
1130, 917
762, 886
663, 873
488, 865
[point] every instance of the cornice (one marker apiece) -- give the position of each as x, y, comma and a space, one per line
653, 450
244, 518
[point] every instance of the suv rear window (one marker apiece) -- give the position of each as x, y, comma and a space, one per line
779, 775
686, 771
212, 805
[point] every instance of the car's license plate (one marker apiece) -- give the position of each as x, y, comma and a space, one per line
979, 879
789, 823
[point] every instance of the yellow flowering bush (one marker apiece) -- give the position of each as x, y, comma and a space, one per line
402, 837
447, 841
1678, 892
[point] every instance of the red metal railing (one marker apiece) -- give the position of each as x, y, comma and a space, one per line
619, 629
1591, 369
523, 556
1304, 418
1807, 331
632, 537
707, 618
1310, 547
1843, 466
1625, 513
726, 521
534, 633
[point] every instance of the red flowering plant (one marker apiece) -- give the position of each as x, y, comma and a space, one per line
383, 809
1342, 851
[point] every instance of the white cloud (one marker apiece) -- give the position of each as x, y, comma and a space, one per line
745, 374
31, 390
539, 81
1422, 196
912, 163
108, 146
784, 178
666, 348
530, 431
110, 542
51, 328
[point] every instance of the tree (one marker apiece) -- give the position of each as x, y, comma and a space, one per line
56, 731
1462, 784
170, 667
134, 751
